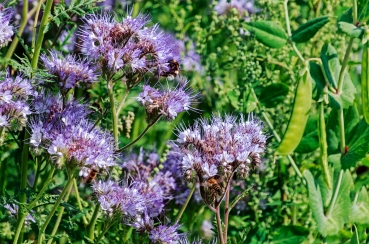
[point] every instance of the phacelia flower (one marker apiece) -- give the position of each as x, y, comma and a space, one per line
14, 94
129, 45
166, 103
13, 209
69, 71
165, 234
215, 149
6, 30
241, 6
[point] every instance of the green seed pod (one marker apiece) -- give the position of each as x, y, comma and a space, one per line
299, 116
365, 81
323, 147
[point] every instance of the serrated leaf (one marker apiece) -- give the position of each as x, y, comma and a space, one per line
291, 234
310, 139
360, 208
308, 30
358, 146
350, 29
330, 224
273, 94
268, 33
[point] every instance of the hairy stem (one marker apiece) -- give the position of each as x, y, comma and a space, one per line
85, 223
140, 136
113, 113
56, 205
186, 203
219, 226
91, 226
60, 215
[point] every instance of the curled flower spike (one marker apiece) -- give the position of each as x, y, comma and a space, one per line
6, 30
213, 150
165, 234
69, 71
166, 103
130, 46
14, 109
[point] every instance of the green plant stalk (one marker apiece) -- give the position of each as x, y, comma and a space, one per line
91, 226
287, 18
22, 217
140, 136
186, 203
128, 234
84, 220
226, 213
333, 203
57, 203
60, 215
113, 113
23, 24
344, 65
323, 147
341, 124
354, 11
107, 227
41, 34
35, 23
38, 162
219, 226
3, 173
123, 101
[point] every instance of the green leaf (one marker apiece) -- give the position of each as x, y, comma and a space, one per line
273, 94
324, 190
330, 224
308, 30
291, 234
358, 146
360, 208
269, 33
350, 29
362, 10
346, 16
318, 77
310, 139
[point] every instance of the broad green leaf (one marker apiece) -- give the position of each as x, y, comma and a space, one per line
362, 10
358, 146
346, 16
331, 63
347, 97
273, 94
256, 235
333, 132
350, 29
308, 30
269, 33
310, 139
324, 190
352, 119
330, 224
318, 77
355, 237
291, 234
360, 208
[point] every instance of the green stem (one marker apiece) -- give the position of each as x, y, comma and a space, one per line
128, 234
354, 11
57, 203
3, 174
38, 162
186, 203
344, 64
23, 24
287, 18
113, 113
91, 227
219, 226
60, 215
341, 124
226, 214
35, 23
140, 136
41, 33
22, 218
123, 101
85, 223
107, 227
333, 203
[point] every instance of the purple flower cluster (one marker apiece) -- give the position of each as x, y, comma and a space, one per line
63, 131
214, 149
14, 94
13, 209
241, 6
6, 30
165, 234
166, 103
129, 45
69, 71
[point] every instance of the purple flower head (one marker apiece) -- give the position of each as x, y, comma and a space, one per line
141, 166
69, 71
191, 60
13, 209
165, 234
241, 6
129, 45
14, 94
216, 148
6, 30
166, 103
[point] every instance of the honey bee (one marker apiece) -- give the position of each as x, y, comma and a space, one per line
212, 188
88, 175
174, 69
